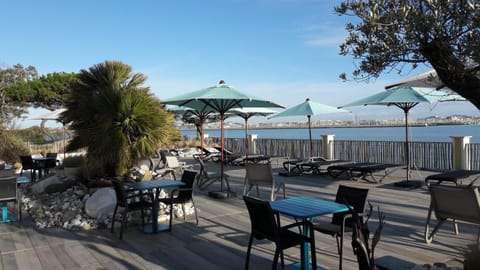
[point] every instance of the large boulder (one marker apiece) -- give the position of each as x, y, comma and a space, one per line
51, 184
101, 203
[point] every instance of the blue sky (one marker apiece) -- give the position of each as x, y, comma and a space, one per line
285, 50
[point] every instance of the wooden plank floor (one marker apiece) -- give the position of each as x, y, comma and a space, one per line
220, 240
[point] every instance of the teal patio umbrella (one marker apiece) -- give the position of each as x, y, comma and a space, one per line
247, 113
308, 108
220, 99
404, 98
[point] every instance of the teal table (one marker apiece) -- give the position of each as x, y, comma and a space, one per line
156, 186
306, 208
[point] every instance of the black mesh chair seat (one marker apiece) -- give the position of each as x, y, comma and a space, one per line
266, 225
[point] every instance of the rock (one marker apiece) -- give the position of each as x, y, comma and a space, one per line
40, 186
101, 203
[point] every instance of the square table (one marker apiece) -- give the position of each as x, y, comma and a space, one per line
157, 185
306, 208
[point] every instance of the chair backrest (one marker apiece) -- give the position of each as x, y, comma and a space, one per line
120, 193
172, 162
260, 174
8, 188
456, 202
51, 163
352, 196
262, 218
188, 177
27, 162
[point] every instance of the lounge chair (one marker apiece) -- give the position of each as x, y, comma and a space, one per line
456, 177
290, 165
228, 156
363, 170
460, 203
209, 154
206, 178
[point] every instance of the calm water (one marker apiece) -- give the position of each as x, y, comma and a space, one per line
422, 134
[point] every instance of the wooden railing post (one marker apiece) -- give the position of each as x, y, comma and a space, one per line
460, 157
327, 146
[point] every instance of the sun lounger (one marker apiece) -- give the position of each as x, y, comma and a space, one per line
363, 170
290, 165
456, 177
228, 156
316, 167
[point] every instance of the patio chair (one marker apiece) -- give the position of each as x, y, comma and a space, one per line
182, 195
130, 201
205, 177
342, 222
173, 163
459, 203
29, 164
9, 193
261, 175
266, 225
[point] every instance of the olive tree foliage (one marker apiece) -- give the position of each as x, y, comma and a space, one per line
115, 117
9, 77
398, 35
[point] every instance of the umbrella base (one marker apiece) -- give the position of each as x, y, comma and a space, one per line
221, 194
409, 184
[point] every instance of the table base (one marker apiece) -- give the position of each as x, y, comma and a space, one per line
221, 194
5, 215
148, 228
298, 266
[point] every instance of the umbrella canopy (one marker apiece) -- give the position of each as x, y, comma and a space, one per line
308, 108
428, 79
247, 113
219, 98
404, 98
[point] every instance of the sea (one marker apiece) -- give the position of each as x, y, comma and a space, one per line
417, 133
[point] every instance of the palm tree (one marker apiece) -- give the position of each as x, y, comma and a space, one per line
115, 117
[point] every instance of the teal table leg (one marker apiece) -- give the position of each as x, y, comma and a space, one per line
4, 212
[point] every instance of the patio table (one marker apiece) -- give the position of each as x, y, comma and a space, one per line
42, 163
156, 185
306, 208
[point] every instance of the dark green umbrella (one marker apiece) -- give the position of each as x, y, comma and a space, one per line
247, 113
219, 98
308, 108
404, 98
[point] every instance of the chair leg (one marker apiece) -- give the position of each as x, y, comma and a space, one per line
340, 250
113, 217
171, 217
195, 210
249, 249
314, 254
275, 258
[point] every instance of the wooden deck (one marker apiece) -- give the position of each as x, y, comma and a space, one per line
220, 240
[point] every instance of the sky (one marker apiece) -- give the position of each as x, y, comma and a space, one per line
281, 50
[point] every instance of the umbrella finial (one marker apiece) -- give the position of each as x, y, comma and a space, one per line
307, 100
221, 82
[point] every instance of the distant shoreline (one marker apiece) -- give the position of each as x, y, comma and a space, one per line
333, 126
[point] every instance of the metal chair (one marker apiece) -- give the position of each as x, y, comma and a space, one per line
9, 193
129, 201
29, 164
261, 175
182, 195
453, 202
266, 225
342, 222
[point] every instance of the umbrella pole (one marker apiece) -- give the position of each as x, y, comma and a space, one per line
222, 142
310, 135
246, 137
407, 150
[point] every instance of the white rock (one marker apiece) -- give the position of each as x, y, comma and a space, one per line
102, 202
